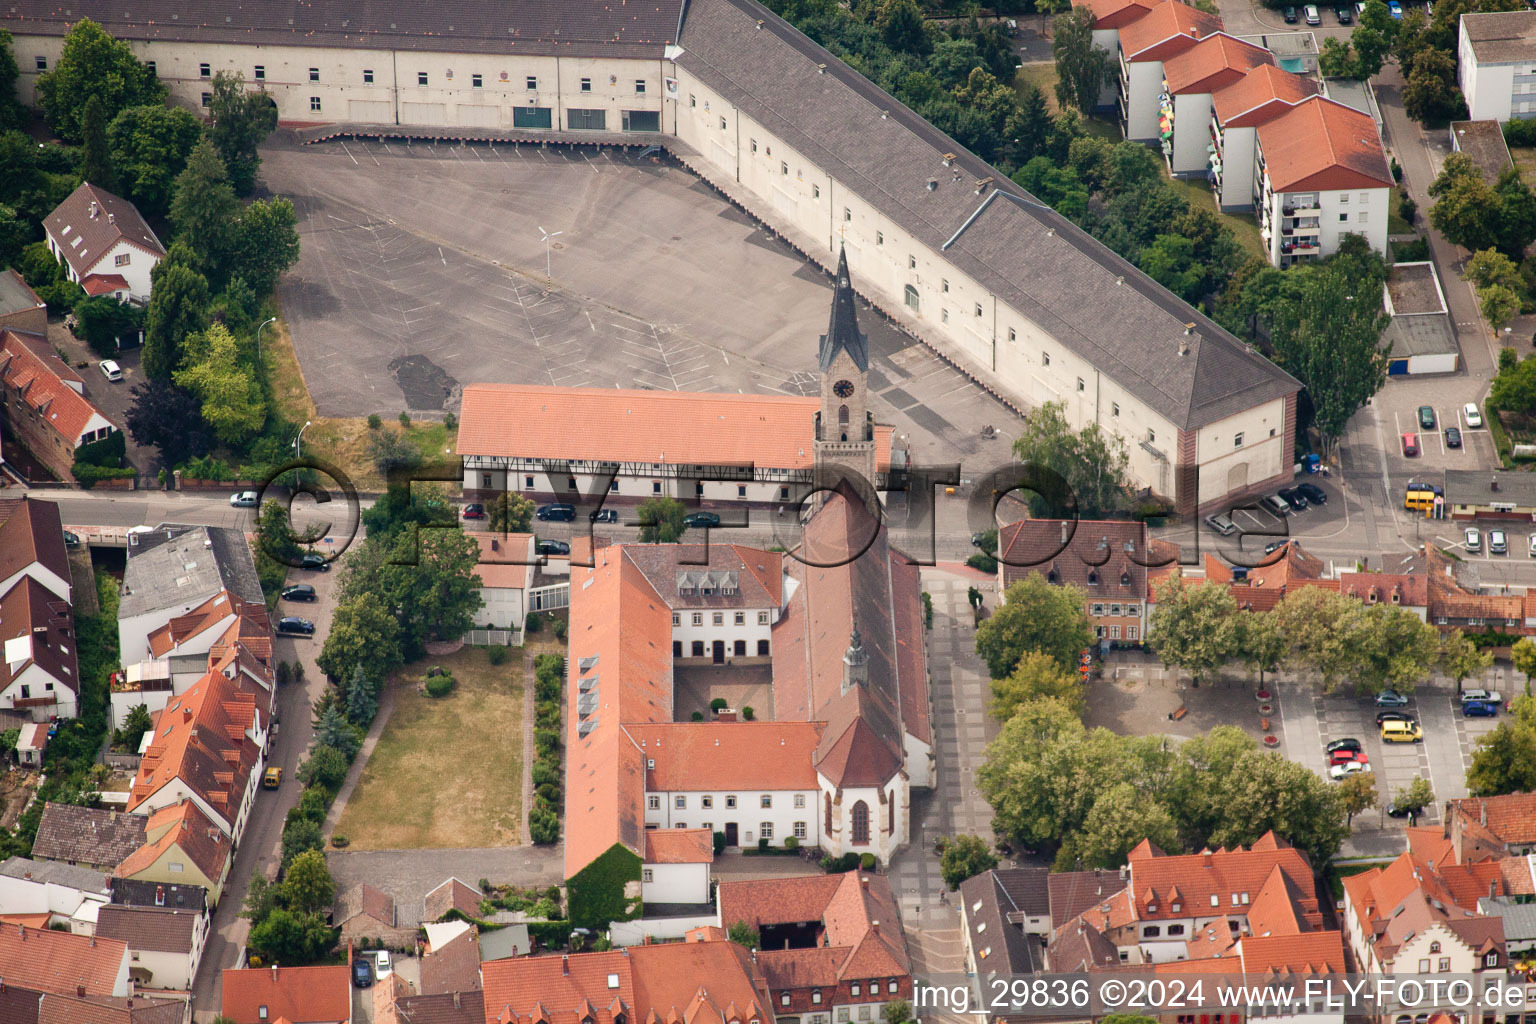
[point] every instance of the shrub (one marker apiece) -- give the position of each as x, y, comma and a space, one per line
89, 476
496, 654
838, 865
549, 791
339, 841
543, 826
927, 610
439, 686
313, 803
546, 741
451, 421
532, 625
374, 423
298, 671
545, 774
698, 716
791, 843
979, 560
762, 844
1408, 208
405, 420
719, 704
560, 628
719, 838
1397, 170
867, 861
747, 712
485, 885
283, 673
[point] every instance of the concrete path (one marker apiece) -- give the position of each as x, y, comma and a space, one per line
355, 773
408, 875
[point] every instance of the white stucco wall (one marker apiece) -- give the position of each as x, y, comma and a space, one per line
748, 814
674, 883
1191, 134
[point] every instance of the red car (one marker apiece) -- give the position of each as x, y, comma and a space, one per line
1410, 444
1347, 757
474, 511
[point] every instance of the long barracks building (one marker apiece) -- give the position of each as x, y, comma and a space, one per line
1011, 292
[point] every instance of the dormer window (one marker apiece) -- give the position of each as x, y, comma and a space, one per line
1491, 960
1093, 577
1051, 577
1151, 908
1125, 578
1175, 908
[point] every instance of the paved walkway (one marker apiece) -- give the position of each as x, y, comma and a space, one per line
355, 773
408, 875
528, 748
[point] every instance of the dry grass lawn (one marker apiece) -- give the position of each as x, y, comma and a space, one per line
447, 772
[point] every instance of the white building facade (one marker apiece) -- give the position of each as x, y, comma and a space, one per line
1496, 64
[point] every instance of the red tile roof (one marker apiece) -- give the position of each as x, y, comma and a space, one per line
60, 962
30, 531
1108, 14
206, 616
301, 995
1212, 64
700, 982
642, 426
104, 284
183, 825
89, 223
1322, 144
1512, 818
200, 738
1262, 94
452, 895
728, 755
1166, 30
857, 912
1230, 877
679, 846
1103, 557
42, 382
506, 560
1308, 953
514, 988
1411, 590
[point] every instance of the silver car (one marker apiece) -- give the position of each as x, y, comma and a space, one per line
1472, 540
245, 499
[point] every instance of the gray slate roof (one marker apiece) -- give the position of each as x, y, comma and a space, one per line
175, 564
596, 28
1027, 888
87, 835
1501, 37
843, 328
987, 906
71, 876
159, 929
504, 942
15, 296
1037, 261
1519, 919
85, 238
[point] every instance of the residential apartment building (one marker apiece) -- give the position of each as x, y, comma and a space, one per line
172, 571
1108, 18
676, 872
45, 894
1190, 81
1167, 30
1493, 827
1320, 174
1237, 110
505, 569
165, 943
832, 945
63, 963
299, 995
1107, 559
88, 836
44, 402
104, 244
1010, 292
1496, 64
1005, 921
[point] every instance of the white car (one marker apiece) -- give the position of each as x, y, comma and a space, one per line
245, 499
1473, 540
1474, 418
381, 965
1339, 771
110, 370
1490, 696
1533, 545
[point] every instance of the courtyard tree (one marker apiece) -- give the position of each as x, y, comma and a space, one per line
1414, 797
307, 887
150, 146
661, 520
1357, 793
178, 306
233, 403
325, 767
1035, 616
1523, 656
509, 512
743, 934
102, 320
1272, 793
1195, 627
1018, 778
170, 420
240, 122
1083, 67
964, 857
300, 834
205, 211
433, 586
291, 938
1260, 643
93, 64
333, 730
1504, 761
900, 24
364, 637
897, 1011
1090, 462
1458, 657
1036, 675
1122, 816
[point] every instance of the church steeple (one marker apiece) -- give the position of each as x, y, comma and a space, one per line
855, 663
843, 333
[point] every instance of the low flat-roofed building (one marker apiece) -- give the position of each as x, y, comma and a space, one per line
1421, 337
1483, 142
20, 308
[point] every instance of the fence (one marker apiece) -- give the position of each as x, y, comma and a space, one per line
129, 762
494, 638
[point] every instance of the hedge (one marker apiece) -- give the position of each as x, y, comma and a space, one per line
1501, 442
89, 476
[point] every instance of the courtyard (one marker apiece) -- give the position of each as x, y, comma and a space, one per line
694, 687
657, 282
446, 772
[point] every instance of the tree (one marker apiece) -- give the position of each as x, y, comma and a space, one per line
362, 699
1523, 656
233, 404
149, 147
900, 23
134, 726
509, 512
333, 730
1036, 675
1357, 793
1195, 627
307, 885
1035, 616
1328, 335
390, 451
743, 934
1504, 761
1083, 68
1266, 793
12, 115
364, 637
965, 857
1517, 214
300, 834
1466, 208
170, 420
1498, 304
1489, 267
434, 586
241, 121
205, 211
13, 235
265, 243
897, 1011
1121, 817
1371, 47
326, 767
1337, 59
102, 320
275, 536
1091, 463
1170, 261
1514, 388
95, 157
93, 64
1260, 643
178, 306
1415, 797
1458, 657
1430, 93
661, 520
1021, 775
291, 938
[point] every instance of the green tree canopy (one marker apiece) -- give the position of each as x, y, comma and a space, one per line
265, 243
1504, 760
1414, 797
964, 857
1091, 462
1036, 675
364, 636
307, 886
93, 64
149, 147
1357, 793
433, 585
1195, 627
12, 115
205, 212
1121, 817
95, 157
509, 512
1082, 68
178, 307
661, 520
1035, 616
232, 398
240, 121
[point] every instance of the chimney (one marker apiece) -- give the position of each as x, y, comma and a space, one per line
159, 895
111, 218
874, 926
864, 882
1066, 531
274, 973
93, 940
725, 715
495, 544
1494, 484
565, 964
93, 209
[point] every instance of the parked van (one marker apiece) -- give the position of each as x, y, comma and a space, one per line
1401, 732
1421, 497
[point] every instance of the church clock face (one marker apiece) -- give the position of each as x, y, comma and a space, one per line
843, 388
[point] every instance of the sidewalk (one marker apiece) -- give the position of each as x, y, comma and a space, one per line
386, 707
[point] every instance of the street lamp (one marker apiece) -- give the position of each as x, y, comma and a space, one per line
547, 235
258, 335
298, 442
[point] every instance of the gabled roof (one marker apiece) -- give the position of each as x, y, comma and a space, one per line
87, 835
130, 892
451, 895
42, 381
506, 561
1501, 37
72, 1009
201, 738
1411, 590
62, 962
513, 988
1231, 877
184, 826
88, 224
1109, 14
104, 284
674, 427
446, 1008
988, 904
205, 617
679, 573
857, 911
1168, 29
1511, 817
1321, 144
1073, 892
1213, 63
1078, 945
452, 966
30, 531
1263, 93
1104, 557
679, 846
301, 995
15, 295
728, 755
69, 876
37, 629
698, 981
843, 334
156, 929
366, 901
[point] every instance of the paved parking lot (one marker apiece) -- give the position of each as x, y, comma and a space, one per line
423, 269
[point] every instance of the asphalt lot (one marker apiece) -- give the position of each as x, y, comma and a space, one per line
657, 283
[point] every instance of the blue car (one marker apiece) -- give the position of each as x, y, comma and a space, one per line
1479, 709
1396, 8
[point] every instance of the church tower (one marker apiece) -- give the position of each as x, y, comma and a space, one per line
845, 428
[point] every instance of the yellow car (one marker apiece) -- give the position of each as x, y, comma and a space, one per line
272, 779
